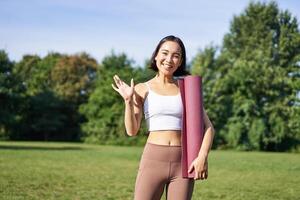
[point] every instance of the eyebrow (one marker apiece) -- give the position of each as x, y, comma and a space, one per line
177, 52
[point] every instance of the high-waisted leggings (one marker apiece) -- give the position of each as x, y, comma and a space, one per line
160, 167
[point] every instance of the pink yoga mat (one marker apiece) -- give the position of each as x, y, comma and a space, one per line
192, 121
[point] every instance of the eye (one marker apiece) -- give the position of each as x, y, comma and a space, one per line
164, 53
176, 56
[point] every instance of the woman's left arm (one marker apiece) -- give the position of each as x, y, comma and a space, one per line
208, 136
200, 164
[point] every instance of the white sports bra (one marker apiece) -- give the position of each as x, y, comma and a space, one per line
162, 112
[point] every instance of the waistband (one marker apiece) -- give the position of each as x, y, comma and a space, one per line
164, 153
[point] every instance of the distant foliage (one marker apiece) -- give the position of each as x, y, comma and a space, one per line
251, 89
53, 87
10, 96
72, 77
251, 86
105, 108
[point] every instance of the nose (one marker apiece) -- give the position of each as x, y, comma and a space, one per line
169, 58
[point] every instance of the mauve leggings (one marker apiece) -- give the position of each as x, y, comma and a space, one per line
160, 167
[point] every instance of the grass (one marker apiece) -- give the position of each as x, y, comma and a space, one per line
36, 170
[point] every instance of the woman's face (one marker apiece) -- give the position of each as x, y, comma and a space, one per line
168, 58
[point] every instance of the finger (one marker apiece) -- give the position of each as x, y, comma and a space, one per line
132, 83
118, 78
114, 87
202, 175
196, 176
191, 168
121, 82
206, 174
117, 81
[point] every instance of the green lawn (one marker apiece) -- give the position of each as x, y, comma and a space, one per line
61, 171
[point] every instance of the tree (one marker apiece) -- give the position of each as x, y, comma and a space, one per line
9, 99
40, 110
255, 81
205, 64
72, 77
45, 119
105, 109
71, 81
55, 86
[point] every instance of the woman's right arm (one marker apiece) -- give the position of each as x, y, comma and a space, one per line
133, 112
133, 104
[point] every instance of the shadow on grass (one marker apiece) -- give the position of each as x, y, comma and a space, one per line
19, 147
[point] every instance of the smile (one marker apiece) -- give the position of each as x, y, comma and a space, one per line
167, 65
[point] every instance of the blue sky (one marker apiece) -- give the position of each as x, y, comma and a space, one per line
131, 26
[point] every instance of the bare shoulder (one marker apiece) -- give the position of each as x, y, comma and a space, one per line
141, 89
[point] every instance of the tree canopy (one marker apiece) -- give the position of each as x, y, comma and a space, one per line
251, 89
251, 85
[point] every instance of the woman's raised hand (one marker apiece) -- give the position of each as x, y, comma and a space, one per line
122, 88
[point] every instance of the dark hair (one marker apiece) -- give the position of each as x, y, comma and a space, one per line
182, 68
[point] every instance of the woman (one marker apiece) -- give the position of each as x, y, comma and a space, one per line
160, 99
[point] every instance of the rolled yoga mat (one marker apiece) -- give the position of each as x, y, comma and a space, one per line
192, 121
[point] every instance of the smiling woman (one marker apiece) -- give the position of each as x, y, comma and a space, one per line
160, 101
170, 50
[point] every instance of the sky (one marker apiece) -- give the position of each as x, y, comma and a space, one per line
99, 27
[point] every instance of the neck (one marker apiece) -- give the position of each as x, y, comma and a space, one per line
164, 79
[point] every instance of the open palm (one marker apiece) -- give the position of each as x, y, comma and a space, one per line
122, 88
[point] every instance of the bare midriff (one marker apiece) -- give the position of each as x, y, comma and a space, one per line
170, 137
